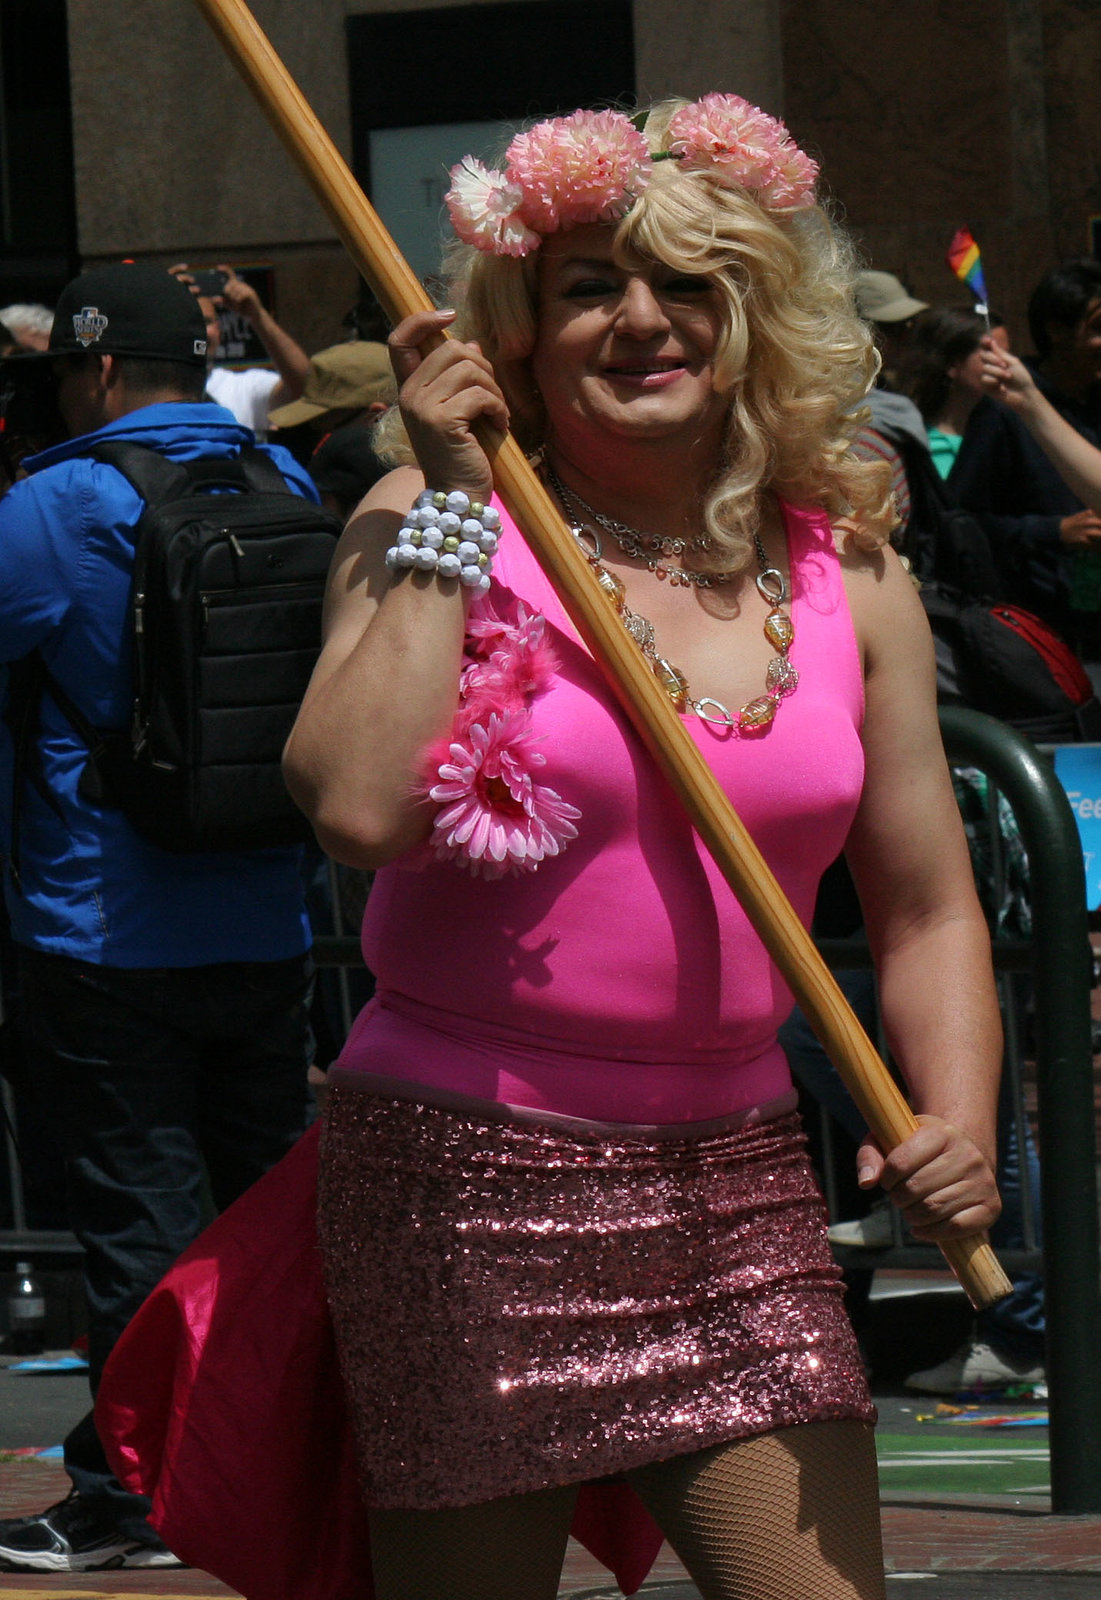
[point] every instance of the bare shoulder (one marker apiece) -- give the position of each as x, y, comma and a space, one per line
392, 494
358, 576
371, 527
883, 597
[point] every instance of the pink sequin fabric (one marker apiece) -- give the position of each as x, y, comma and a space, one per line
519, 1305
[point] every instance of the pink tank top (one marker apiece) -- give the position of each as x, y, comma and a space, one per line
622, 981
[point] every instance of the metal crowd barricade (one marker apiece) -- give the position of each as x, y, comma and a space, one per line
1058, 959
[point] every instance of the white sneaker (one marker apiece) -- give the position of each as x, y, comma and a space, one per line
872, 1232
975, 1366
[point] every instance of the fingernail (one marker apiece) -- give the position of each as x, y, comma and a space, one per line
865, 1174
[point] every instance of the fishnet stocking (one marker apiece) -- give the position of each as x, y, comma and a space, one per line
505, 1550
789, 1515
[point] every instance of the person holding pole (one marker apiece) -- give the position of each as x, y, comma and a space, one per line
565, 1112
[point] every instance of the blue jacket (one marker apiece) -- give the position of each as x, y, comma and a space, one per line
94, 888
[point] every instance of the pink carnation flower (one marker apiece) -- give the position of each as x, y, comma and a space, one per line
484, 207
726, 132
494, 817
792, 186
588, 167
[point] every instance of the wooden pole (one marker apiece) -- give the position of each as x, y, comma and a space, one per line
642, 697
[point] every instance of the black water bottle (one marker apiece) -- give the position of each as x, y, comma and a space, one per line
26, 1313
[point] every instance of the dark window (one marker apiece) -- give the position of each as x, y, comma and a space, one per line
486, 63
37, 212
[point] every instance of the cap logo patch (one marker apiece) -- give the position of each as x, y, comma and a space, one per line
89, 324
200, 347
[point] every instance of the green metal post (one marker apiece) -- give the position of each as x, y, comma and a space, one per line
1064, 1083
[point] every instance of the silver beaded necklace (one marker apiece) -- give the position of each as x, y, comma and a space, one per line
649, 548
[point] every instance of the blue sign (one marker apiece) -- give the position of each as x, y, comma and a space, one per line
1078, 768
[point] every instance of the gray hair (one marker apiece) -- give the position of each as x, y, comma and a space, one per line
23, 314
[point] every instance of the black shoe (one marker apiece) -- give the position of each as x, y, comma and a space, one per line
71, 1538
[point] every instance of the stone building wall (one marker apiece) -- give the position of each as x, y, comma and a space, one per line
933, 115
926, 116
174, 161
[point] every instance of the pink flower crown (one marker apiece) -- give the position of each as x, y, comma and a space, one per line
592, 166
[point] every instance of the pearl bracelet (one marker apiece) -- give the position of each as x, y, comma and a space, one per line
450, 535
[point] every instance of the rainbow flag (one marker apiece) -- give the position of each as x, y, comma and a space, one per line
966, 263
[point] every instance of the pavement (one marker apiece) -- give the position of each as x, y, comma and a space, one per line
966, 1505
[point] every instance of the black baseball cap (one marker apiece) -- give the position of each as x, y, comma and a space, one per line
344, 463
130, 308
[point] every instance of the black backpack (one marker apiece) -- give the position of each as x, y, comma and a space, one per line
225, 624
998, 658
991, 655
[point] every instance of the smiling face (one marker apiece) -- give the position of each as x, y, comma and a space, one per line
626, 353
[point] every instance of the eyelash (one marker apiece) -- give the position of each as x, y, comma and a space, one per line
685, 287
589, 289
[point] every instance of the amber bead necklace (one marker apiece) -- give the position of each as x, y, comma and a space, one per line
781, 677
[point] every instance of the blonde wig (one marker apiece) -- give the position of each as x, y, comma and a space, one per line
794, 358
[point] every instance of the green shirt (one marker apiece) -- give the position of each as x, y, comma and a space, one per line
944, 448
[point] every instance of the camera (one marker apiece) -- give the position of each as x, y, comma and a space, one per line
209, 281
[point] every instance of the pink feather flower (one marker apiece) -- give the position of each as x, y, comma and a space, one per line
588, 167
487, 627
513, 658
494, 818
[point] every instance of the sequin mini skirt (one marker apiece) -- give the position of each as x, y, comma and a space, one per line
520, 1303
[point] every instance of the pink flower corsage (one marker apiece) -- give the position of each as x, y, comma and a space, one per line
588, 167
494, 818
746, 145
725, 131
792, 185
485, 210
